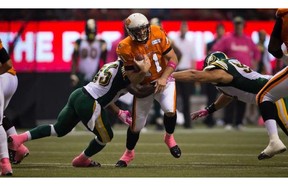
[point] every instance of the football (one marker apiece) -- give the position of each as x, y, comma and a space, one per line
139, 57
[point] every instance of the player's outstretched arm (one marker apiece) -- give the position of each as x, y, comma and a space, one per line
221, 102
213, 76
124, 115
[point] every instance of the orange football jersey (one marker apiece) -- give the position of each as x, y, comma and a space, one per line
156, 46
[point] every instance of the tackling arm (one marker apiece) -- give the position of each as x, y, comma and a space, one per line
211, 76
136, 76
222, 101
123, 115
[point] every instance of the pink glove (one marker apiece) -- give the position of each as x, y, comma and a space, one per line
125, 117
198, 114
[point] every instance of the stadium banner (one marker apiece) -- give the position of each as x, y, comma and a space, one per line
47, 46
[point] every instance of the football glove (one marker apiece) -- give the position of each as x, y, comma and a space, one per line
125, 117
199, 114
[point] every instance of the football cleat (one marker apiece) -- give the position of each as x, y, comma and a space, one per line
121, 163
126, 158
172, 145
6, 169
274, 147
81, 162
175, 151
13, 142
17, 156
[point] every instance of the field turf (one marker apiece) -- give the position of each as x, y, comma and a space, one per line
206, 153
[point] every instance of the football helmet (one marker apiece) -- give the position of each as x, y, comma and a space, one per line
90, 29
138, 27
214, 56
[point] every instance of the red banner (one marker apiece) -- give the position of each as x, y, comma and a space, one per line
47, 46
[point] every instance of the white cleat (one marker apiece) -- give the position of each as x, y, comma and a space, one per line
274, 147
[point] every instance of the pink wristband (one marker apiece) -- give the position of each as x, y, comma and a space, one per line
172, 64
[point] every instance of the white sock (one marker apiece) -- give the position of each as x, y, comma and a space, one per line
53, 132
271, 127
3, 143
11, 131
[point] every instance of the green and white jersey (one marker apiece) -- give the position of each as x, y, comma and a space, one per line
246, 83
109, 83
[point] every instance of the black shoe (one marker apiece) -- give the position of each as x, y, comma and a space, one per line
175, 151
121, 163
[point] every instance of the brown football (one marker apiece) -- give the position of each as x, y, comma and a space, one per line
139, 57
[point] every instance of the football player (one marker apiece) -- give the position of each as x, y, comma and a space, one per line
152, 43
8, 83
276, 88
236, 81
87, 105
88, 56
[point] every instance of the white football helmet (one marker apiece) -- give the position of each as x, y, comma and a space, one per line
138, 27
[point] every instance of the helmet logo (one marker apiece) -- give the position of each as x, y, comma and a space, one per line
127, 22
212, 58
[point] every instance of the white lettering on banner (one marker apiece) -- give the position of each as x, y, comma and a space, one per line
68, 39
26, 46
109, 37
6, 38
38, 46
44, 47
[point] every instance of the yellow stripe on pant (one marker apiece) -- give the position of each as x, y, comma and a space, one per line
282, 112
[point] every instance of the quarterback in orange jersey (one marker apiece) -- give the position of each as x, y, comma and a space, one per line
277, 86
149, 44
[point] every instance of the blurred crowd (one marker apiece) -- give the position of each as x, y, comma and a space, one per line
120, 14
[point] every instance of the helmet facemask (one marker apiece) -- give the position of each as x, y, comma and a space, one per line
139, 34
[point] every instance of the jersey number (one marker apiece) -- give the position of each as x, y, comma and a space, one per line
105, 77
92, 53
157, 64
244, 67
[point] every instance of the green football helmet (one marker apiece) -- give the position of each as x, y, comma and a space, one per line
214, 56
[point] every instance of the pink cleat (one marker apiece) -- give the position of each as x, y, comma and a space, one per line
6, 169
13, 142
126, 158
81, 161
20, 154
172, 145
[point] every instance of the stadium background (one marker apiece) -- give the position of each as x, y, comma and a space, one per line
42, 52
